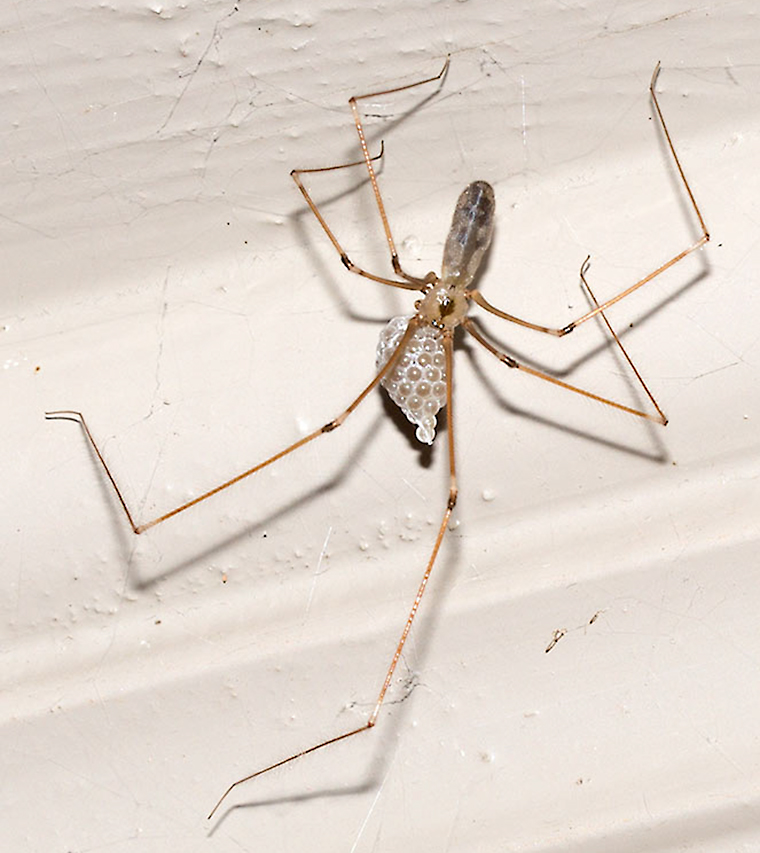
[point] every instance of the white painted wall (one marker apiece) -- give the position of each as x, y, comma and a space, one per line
161, 273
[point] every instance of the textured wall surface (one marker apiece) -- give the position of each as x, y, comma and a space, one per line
162, 274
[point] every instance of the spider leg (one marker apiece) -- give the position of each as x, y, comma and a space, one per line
370, 168
446, 515
479, 299
410, 284
511, 362
583, 271
328, 427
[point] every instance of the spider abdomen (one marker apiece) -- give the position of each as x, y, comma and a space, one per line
470, 233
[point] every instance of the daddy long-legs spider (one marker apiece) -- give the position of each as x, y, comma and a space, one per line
415, 354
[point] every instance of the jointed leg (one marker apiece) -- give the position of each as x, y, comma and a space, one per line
662, 419
410, 282
451, 502
370, 168
479, 299
511, 362
347, 262
328, 427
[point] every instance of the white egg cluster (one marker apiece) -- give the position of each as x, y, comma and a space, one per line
417, 382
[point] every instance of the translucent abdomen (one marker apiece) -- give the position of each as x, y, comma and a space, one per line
470, 234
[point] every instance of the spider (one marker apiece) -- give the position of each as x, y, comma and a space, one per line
414, 361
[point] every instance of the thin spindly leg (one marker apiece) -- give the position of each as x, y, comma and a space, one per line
450, 503
370, 168
411, 282
511, 362
479, 299
328, 427
347, 262
583, 270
